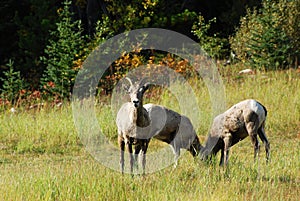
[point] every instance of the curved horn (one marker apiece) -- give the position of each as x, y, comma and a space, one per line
142, 81
129, 80
147, 85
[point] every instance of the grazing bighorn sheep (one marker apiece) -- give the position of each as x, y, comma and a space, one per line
245, 118
132, 122
175, 129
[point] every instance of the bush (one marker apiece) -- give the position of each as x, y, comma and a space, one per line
267, 38
102, 32
214, 45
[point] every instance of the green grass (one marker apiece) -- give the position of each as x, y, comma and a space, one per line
42, 157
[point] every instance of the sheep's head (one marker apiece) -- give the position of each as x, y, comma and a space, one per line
136, 91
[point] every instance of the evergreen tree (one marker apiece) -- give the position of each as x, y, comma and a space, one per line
269, 37
12, 83
269, 46
61, 53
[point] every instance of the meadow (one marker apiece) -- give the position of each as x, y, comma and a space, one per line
42, 157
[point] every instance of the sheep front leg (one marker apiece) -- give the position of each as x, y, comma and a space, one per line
227, 143
122, 150
137, 150
263, 137
176, 151
131, 159
177, 154
144, 150
195, 147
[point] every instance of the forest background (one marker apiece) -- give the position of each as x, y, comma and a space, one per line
43, 44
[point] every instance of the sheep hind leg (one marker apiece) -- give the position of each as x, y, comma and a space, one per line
222, 157
252, 131
263, 137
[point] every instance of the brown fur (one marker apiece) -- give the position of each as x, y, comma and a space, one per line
175, 129
246, 118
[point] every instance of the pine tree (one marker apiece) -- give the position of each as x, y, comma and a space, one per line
269, 46
12, 83
66, 46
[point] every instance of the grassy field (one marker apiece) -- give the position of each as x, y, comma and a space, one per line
42, 157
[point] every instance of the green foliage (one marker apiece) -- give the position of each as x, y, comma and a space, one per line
103, 31
147, 13
243, 35
183, 17
267, 39
62, 53
214, 45
137, 14
25, 25
12, 83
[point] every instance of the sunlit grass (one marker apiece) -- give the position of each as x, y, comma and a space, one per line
42, 157
44, 131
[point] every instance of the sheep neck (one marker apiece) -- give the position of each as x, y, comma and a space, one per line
140, 115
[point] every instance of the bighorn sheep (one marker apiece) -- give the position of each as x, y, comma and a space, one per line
245, 118
175, 129
132, 122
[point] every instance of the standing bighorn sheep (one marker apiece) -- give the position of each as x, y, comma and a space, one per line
245, 118
175, 129
132, 122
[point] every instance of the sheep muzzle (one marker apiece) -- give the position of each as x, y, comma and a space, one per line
136, 103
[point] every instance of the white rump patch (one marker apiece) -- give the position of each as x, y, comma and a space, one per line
258, 109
